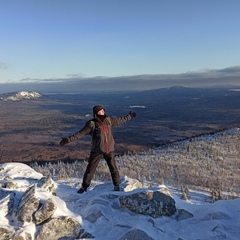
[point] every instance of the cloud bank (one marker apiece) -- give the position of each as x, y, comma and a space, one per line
80, 84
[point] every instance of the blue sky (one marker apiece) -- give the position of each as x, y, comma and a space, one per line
58, 39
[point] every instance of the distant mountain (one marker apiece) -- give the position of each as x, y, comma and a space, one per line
17, 96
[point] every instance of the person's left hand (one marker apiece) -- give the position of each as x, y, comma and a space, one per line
63, 141
132, 114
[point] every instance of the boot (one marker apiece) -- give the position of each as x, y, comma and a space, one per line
82, 190
116, 188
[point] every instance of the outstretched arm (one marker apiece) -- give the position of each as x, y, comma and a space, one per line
121, 120
81, 133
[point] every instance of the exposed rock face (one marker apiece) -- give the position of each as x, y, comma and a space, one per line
59, 228
152, 203
28, 205
22, 235
9, 185
47, 184
45, 212
7, 202
33, 210
5, 234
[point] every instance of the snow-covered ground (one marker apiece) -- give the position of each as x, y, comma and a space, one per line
219, 220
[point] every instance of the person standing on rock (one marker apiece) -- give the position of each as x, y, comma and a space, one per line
100, 127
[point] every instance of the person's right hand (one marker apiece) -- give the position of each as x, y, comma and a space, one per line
63, 141
132, 114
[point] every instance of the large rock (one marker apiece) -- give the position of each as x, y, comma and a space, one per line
28, 205
59, 228
5, 234
47, 184
149, 202
46, 211
6, 202
10, 185
20, 234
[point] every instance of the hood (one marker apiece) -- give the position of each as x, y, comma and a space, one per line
96, 109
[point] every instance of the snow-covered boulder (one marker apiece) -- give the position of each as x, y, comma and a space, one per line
5, 233
45, 212
46, 183
59, 228
154, 203
6, 202
29, 204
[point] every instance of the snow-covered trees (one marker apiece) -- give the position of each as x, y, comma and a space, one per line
210, 162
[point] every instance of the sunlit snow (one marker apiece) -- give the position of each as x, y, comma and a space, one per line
219, 220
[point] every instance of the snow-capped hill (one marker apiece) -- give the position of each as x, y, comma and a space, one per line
23, 95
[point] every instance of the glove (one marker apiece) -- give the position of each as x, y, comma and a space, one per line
63, 141
132, 114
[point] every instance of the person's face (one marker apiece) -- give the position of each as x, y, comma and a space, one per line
101, 112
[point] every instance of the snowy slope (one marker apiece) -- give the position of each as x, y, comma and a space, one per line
219, 220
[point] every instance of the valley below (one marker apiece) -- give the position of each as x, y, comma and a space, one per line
30, 130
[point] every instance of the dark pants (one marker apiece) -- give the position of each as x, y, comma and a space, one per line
93, 161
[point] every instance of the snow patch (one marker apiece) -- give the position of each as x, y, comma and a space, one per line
137, 106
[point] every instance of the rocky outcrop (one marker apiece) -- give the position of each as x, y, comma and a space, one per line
5, 233
31, 209
45, 212
6, 202
58, 228
28, 205
152, 203
47, 184
20, 234
9, 185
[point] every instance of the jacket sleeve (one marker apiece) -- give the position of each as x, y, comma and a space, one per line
81, 133
118, 121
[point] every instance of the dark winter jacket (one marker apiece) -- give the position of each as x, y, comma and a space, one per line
101, 131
